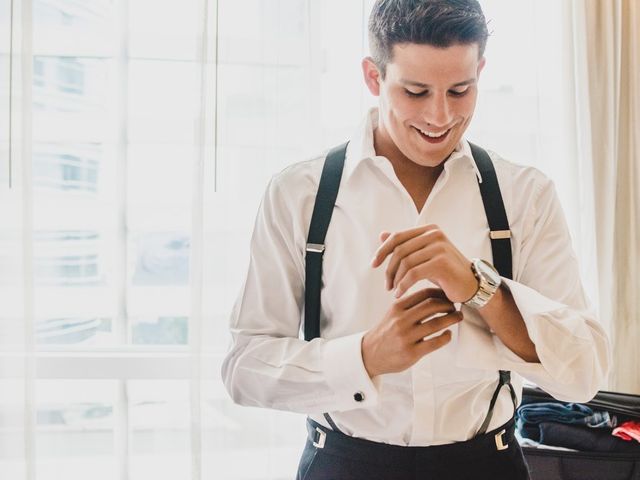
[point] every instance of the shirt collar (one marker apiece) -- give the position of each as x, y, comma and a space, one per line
361, 149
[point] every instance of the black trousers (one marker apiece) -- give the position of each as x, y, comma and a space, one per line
335, 456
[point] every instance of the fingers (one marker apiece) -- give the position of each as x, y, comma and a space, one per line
429, 307
402, 252
395, 239
435, 325
400, 338
420, 296
424, 270
427, 346
416, 252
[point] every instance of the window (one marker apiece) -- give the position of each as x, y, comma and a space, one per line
116, 99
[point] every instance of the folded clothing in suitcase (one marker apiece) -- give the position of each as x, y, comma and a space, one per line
601, 456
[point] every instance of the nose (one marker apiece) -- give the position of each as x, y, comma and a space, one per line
437, 112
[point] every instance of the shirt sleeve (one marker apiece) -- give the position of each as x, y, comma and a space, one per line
267, 365
572, 346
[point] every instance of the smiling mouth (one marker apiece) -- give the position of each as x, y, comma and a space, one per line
433, 137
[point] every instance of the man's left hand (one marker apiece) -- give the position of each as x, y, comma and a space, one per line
425, 253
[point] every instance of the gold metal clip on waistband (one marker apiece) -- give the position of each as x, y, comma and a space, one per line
499, 443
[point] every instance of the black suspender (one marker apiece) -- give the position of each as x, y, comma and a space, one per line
322, 212
500, 235
494, 209
323, 209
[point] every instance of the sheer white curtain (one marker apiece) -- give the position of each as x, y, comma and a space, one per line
608, 54
105, 106
142, 136
17, 361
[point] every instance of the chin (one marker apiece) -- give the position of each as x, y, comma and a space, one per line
433, 158
432, 162
425, 160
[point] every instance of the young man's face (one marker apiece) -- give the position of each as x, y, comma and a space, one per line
426, 100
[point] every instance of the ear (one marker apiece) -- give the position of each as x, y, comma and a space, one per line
481, 64
371, 76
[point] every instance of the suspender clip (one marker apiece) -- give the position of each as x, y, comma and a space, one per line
499, 444
319, 438
315, 247
500, 234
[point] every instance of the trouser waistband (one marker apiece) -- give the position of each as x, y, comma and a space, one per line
342, 445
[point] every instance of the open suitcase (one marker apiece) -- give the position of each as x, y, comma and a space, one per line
547, 464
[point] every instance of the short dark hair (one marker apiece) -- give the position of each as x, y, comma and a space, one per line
440, 23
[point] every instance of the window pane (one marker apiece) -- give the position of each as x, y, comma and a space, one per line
13, 414
67, 167
167, 29
67, 267
253, 97
159, 412
161, 331
158, 300
68, 262
75, 430
163, 100
162, 259
160, 186
70, 85
278, 27
76, 331
61, 23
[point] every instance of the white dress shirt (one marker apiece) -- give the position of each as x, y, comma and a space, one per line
445, 396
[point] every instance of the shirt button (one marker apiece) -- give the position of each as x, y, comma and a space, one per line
358, 396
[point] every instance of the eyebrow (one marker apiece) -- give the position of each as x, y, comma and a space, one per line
424, 85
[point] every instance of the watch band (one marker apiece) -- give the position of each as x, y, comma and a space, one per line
488, 283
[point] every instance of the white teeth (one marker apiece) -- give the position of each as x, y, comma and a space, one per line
434, 135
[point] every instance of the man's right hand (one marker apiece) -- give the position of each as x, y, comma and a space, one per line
397, 342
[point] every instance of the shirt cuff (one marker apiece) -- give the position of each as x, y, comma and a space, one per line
530, 302
539, 314
491, 352
531, 306
346, 374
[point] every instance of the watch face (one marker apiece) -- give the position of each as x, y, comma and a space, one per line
488, 272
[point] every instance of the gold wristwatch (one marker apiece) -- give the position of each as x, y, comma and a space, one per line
489, 281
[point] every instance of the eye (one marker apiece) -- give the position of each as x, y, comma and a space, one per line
459, 93
415, 94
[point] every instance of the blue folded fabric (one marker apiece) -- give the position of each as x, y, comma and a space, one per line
529, 416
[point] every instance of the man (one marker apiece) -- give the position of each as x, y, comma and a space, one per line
402, 384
